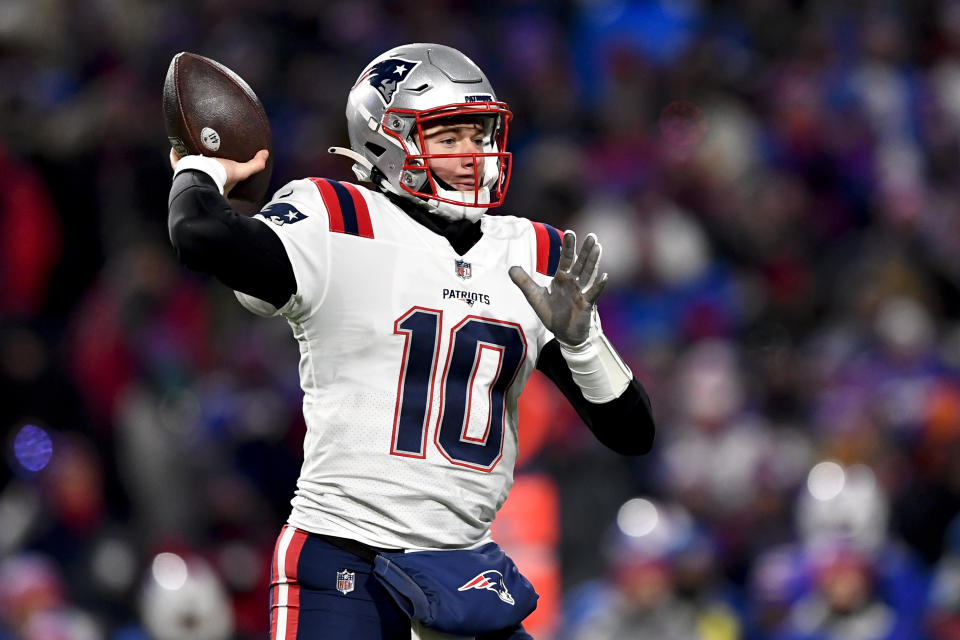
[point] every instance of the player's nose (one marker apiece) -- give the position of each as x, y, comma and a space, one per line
467, 151
468, 146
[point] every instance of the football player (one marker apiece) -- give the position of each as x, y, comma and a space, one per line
419, 319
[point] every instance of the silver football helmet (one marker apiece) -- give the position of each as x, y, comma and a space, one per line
410, 88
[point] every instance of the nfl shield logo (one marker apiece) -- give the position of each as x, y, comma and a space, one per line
463, 269
345, 581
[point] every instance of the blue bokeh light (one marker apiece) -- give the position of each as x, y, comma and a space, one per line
33, 448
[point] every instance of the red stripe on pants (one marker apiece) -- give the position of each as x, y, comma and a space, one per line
284, 588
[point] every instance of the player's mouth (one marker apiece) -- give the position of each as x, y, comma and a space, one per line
464, 184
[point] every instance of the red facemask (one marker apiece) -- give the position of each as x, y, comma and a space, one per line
416, 165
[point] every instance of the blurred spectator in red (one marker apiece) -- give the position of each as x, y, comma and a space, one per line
142, 322
30, 238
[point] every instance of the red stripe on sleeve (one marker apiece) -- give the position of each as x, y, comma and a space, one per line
543, 247
331, 203
364, 226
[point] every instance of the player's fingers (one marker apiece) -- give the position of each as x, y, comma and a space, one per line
595, 289
568, 251
256, 164
531, 290
578, 269
591, 265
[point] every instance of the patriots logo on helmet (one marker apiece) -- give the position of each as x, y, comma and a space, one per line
387, 75
490, 580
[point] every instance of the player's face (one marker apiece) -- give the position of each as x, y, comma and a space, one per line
456, 137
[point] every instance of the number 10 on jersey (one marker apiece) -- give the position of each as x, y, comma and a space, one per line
473, 342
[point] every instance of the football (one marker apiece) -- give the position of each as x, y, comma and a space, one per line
208, 109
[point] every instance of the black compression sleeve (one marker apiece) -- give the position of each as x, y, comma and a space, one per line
211, 237
625, 424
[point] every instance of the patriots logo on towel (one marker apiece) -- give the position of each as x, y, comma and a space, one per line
281, 213
387, 75
489, 580
346, 580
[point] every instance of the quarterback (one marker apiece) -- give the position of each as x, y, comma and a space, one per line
419, 318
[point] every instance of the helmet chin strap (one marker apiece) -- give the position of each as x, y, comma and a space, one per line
454, 212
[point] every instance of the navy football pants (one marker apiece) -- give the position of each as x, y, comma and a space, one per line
305, 603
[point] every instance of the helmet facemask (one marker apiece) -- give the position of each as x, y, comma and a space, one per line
407, 128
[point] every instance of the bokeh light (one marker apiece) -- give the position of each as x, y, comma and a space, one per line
33, 448
637, 517
826, 480
169, 571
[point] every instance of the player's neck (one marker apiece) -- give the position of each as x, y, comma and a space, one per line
461, 234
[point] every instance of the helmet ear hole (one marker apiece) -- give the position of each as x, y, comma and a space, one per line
374, 148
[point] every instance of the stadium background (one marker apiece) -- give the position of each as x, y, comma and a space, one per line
776, 187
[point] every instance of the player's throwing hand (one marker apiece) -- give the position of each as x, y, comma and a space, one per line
236, 172
566, 305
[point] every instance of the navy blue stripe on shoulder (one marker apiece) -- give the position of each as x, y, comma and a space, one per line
347, 207
556, 241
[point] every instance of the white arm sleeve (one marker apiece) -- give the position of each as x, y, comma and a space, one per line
596, 367
207, 165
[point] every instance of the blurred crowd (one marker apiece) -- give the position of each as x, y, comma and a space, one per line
777, 188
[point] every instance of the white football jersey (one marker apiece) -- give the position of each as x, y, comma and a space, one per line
412, 359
